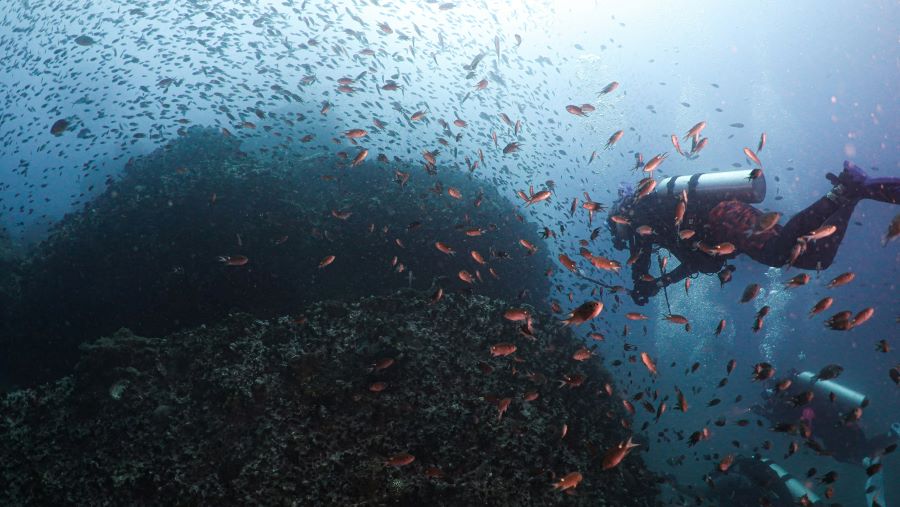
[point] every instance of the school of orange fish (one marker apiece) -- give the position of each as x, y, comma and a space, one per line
372, 106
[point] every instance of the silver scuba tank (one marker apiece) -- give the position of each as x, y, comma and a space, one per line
795, 487
719, 186
845, 399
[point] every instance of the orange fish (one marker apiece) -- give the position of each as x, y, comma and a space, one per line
438, 294
233, 260
648, 362
695, 130
466, 276
445, 248
326, 261
766, 222
752, 156
613, 139
502, 349
863, 316
615, 455
358, 159
511, 148
750, 292
680, 208
583, 313
820, 233
609, 88
842, 279
654, 163
569, 264
502, 407
635, 316
399, 460
573, 109
383, 363
516, 314
723, 249
682, 401
797, 281
377, 387
726, 462
582, 354
676, 319
454, 192
677, 145
569, 481
478, 257
720, 327
543, 195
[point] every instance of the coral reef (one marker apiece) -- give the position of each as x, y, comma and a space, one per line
281, 412
144, 253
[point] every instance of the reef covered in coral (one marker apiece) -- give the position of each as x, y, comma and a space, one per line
147, 253
311, 408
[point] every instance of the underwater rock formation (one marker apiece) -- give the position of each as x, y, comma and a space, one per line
283, 411
145, 254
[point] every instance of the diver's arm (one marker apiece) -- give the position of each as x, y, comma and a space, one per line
643, 289
683, 271
641, 266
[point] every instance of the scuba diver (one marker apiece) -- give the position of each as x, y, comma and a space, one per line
751, 481
827, 414
705, 219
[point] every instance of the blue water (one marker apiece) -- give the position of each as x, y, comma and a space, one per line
818, 78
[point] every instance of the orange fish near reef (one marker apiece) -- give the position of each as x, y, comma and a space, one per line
516, 314
358, 159
502, 349
615, 455
584, 313
399, 460
569, 481
233, 260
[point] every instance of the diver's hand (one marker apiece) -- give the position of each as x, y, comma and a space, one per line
643, 291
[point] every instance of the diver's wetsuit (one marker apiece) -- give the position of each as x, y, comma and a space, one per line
733, 222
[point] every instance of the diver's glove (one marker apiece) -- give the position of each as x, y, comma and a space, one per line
643, 291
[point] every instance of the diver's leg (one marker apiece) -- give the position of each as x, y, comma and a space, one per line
829, 209
834, 209
820, 254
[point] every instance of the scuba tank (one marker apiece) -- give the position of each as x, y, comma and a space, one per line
845, 399
717, 187
875, 483
796, 488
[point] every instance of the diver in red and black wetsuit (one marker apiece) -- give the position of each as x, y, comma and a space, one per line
718, 224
